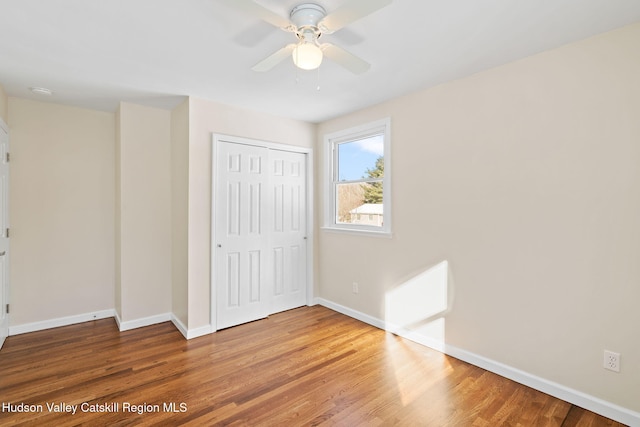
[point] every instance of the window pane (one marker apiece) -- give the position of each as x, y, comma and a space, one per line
359, 203
361, 159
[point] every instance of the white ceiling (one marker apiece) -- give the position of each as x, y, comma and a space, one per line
94, 53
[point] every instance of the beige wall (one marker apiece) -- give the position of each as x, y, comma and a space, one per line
4, 105
179, 210
526, 179
206, 118
61, 207
145, 211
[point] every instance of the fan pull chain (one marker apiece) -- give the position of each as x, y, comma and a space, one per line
318, 87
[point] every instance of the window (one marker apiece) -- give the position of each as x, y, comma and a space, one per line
358, 190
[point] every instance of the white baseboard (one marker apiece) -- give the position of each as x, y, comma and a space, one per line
116, 317
351, 313
180, 326
61, 321
140, 323
417, 337
578, 398
198, 332
190, 333
104, 314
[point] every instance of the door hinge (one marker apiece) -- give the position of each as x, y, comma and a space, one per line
8, 157
7, 308
7, 233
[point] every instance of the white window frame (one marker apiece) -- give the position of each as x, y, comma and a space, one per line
331, 141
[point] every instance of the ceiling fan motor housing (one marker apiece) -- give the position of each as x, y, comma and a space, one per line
307, 15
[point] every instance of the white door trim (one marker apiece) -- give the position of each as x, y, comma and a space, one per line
5, 249
216, 140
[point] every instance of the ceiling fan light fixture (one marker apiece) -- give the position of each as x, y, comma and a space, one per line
307, 56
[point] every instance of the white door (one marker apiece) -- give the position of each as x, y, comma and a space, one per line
260, 232
241, 242
4, 234
287, 229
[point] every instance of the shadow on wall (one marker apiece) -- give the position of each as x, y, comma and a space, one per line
416, 306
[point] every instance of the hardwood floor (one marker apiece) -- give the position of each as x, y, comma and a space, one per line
309, 366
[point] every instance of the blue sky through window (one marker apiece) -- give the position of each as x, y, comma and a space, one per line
355, 157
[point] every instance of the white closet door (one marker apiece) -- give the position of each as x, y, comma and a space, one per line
241, 235
287, 229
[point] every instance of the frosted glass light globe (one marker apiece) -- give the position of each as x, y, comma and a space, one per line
307, 56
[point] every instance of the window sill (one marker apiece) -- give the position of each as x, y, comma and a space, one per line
357, 232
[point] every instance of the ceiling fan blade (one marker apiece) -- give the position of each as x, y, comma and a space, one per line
348, 60
254, 9
274, 59
350, 11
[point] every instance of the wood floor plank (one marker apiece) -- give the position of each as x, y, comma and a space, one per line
309, 366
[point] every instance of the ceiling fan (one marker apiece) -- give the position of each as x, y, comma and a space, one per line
309, 21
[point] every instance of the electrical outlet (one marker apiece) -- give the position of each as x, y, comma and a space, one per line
612, 361
355, 287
